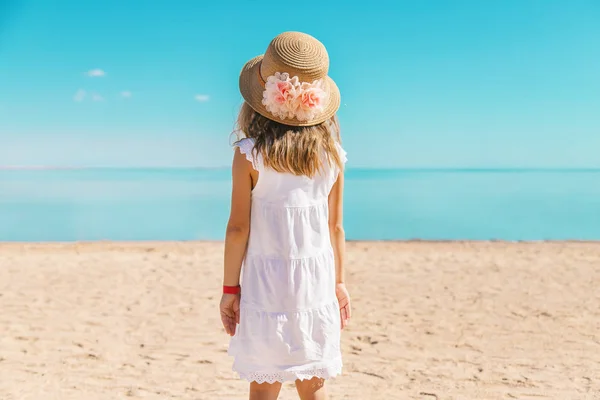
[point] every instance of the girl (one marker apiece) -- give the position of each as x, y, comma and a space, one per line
285, 226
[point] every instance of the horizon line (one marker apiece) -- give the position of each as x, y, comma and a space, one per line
363, 168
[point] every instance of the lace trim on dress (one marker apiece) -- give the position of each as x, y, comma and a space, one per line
246, 146
342, 153
327, 372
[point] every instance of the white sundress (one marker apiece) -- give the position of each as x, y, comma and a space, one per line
289, 315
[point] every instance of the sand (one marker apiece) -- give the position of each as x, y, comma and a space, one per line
431, 320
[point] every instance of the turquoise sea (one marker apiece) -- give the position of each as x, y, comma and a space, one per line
191, 204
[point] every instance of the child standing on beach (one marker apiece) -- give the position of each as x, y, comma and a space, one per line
285, 226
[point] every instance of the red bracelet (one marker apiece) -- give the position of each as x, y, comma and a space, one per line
231, 289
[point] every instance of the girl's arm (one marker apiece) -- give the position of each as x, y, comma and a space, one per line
336, 226
238, 227
338, 242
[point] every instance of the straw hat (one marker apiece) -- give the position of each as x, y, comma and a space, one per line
297, 55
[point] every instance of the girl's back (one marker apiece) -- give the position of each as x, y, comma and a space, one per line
289, 313
289, 217
285, 240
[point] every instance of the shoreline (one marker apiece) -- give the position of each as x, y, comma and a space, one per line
189, 246
399, 241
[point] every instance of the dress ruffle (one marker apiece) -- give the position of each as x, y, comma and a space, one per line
246, 146
287, 338
342, 153
304, 345
322, 370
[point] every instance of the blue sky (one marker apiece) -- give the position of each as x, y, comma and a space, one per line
512, 83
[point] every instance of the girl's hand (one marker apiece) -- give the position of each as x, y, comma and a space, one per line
344, 299
230, 312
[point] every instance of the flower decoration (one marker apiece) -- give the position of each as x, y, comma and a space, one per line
287, 97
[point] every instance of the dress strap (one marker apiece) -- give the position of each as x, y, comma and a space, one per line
246, 146
342, 153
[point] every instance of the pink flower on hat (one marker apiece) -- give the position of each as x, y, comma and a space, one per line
284, 92
310, 101
280, 95
287, 97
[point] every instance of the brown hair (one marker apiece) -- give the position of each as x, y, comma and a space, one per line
294, 149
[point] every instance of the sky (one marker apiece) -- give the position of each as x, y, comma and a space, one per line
425, 84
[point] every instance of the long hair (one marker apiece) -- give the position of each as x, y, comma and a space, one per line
297, 150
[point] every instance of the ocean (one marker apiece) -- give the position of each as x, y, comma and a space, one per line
193, 204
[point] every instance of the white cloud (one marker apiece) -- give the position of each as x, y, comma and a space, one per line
79, 95
95, 73
126, 94
97, 97
202, 97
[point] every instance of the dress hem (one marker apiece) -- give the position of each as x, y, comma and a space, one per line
325, 371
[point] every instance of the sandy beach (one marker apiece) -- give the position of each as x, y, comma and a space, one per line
431, 321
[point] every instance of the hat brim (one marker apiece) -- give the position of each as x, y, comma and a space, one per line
252, 88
